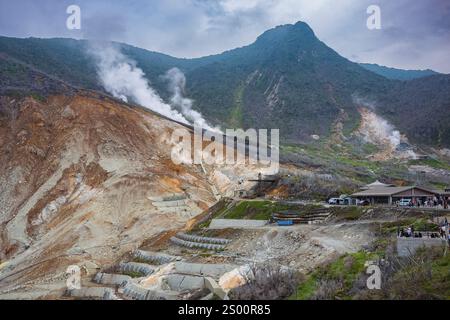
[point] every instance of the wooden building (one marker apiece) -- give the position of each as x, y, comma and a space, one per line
389, 195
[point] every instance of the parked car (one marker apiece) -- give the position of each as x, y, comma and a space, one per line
363, 203
334, 201
404, 203
348, 201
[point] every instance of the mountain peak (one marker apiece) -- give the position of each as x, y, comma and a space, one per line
300, 31
303, 25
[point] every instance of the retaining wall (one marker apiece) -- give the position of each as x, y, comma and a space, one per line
94, 292
195, 238
236, 224
136, 292
199, 245
172, 203
180, 282
143, 268
154, 257
408, 246
210, 270
111, 279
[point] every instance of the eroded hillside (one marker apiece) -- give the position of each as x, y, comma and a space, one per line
82, 180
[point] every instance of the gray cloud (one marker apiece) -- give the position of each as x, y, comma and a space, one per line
415, 34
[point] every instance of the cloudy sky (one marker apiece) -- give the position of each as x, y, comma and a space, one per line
414, 34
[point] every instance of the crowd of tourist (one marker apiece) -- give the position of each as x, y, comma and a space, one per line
443, 232
431, 202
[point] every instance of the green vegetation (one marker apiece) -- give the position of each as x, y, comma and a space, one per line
424, 275
201, 226
439, 185
420, 224
257, 210
440, 270
38, 97
345, 269
349, 213
133, 274
306, 289
370, 148
349, 267
263, 209
345, 161
358, 163
434, 163
397, 74
236, 112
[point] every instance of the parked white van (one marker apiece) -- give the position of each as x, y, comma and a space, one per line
404, 202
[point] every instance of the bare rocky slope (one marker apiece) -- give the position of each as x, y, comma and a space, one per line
82, 178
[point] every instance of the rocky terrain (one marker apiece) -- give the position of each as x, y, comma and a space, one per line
84, 179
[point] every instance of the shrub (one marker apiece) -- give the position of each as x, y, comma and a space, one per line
267, 281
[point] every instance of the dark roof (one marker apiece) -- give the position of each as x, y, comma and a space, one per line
381, 191
387, 191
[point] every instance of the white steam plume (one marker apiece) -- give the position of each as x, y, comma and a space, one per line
121, 77
374, 128
378, 130
177, 84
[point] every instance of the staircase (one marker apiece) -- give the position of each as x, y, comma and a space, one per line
313, 217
